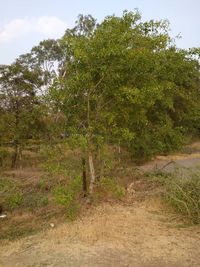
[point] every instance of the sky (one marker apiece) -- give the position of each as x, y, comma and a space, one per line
24, 23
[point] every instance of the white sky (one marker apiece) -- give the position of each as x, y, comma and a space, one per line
23, 23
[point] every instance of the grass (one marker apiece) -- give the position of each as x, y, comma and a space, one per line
5, 185
14, 200
47, 187
184, 197
15, 231
35, 200
181, 193
60, 160
111, 188
68, 196
10, 195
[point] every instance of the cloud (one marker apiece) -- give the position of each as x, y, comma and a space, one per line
51, 27
13, 29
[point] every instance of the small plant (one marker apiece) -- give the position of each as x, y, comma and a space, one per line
45, 184
67, 196
42, 184
112, 187
58, 162
54, 168
5, 185
159, 177
53, 157
35, 200
14, 200
10, 196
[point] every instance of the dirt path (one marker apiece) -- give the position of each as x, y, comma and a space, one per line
182, 163
110, 235
138, 233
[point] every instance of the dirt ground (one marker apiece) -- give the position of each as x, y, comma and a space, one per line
138, 232
187, 161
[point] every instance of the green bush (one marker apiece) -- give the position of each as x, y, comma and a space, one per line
159, 140
14, 200
111, 186
60, 160
67, 196
53, 160
10, 195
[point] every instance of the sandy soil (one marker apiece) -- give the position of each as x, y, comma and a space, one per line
139, 234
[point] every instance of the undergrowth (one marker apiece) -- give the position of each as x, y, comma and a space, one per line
68, 196
111, 187
182, 193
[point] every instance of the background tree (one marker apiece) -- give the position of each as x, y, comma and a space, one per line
18, 87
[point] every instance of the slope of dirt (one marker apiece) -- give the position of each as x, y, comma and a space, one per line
110, 235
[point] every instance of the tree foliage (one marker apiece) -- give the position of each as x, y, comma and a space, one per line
121, 82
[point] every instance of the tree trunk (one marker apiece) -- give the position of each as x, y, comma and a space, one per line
92, 172
89, 147
98, 163
119, 151
1, 157
84, 180
17, 152
17, 155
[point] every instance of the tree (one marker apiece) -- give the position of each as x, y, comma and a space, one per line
98, 67
126, 82
18, 88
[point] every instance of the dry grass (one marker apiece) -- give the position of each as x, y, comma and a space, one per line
38, 207
109, 235
34, 205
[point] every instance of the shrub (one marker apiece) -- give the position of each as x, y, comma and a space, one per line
184, 196
34, 200
14, 200
182, 193
67, 196
60, 160
160, 140
112, 187
42, 184
10, 195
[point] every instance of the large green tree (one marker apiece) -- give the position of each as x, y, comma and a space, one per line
124, 81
